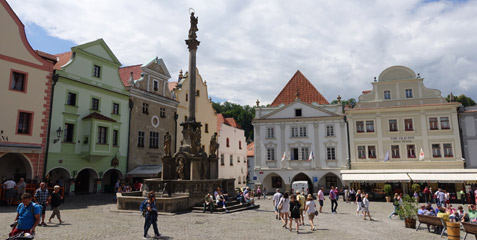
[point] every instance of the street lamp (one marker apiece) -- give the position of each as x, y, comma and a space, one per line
59, 132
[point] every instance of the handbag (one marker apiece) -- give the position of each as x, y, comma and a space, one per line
316, 213
280, 206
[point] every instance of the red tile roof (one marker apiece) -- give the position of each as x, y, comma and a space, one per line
366, 91
172, 85
251, 149
63, 58
47, 56
220, 120
307, 91
125, 73
232, 122
228, 121
99, 116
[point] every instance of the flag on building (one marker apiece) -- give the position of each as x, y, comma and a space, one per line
284, 156
421, 155
386, 158
311, 157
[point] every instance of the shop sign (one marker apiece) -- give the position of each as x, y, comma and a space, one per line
402, 139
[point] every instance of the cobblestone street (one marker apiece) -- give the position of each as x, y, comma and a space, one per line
94, 217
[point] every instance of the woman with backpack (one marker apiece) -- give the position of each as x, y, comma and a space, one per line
151, 216
294, 212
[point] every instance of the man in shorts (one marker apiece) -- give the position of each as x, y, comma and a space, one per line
301, 199
321, 198
28, 216
276, 200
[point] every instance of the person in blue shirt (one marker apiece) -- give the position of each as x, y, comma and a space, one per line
151, 216
28, 216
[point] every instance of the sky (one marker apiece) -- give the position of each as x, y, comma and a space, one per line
249, 49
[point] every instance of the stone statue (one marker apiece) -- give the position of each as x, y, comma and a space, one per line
195, 141
180, 167
214, 146
167, 144
193, 26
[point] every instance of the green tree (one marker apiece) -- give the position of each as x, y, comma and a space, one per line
242, 114
466, 101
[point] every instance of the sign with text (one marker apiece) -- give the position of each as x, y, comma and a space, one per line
402, 139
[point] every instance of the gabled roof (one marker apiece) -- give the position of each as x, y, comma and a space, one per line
228, 121
99, 116
307, 92
63, 58
125, 73
298, 101
103, 44
251, 149
232, 122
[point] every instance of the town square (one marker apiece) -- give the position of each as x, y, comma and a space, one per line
360, 128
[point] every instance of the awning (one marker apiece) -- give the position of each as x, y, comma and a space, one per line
377, 177
145, 171
443, 177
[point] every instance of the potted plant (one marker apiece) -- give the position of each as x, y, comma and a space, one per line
408, 211
388, 192
417, 188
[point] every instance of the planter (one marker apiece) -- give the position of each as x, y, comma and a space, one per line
388, 199
410, 223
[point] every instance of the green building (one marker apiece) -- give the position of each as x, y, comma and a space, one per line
88, 142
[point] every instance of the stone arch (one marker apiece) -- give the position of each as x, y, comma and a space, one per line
56, 173
330, 179
85, 180
303, 177
11, 167
110, 177
273, 181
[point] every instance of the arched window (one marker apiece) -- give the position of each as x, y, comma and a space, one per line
227, 142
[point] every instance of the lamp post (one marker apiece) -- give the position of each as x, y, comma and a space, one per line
59, 132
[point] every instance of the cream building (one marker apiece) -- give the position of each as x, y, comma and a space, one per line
204, 112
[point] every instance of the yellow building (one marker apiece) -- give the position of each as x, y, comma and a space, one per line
204, 112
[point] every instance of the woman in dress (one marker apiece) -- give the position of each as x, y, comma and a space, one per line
285, 204
310, 208
294, 212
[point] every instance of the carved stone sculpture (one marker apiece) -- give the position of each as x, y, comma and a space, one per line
193, 26
214, 146
180, 167
167, 144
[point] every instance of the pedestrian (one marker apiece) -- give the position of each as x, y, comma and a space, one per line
352, 195
346, 195
10, 193
294, 213
310, 210
55, 202
395, 205
358, 202
41, 197
366, 207
321, 198
209, 202
265, 193
151, 217
28, 216
301, 199
259, 192
462, 196
276, 199
334, 202
21, 185
284, 207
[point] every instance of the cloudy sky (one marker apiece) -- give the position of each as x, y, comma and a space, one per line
250, 49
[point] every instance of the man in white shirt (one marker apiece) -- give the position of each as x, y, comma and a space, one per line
9, 185
321, 198
276, 200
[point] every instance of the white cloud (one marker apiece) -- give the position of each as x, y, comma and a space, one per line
250, 49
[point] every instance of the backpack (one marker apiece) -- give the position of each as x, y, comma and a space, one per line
143, 208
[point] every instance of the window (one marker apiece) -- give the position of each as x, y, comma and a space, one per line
445, 123
102, 133
96, 71
222, 160
297, 112
162, 112
271, 132
330, 181
145, 108
115, 137
153, 140
369, 126
95, 104
140, 139
115, 108
238, 158
227, 142
408, 93
187, 97
197, 93
271, 154
387, 94
156, 85
24, 121
240, 144
18, 81
433, 124
69, 131
395, 151
71, 100
294, 132
360, 126
330, 153
436, 150
361, 152
411, 151
206, 129
231, 160
302, 131
294, 154
330, 131
304, 153
371, 151
448, 150
408, 126
393, 125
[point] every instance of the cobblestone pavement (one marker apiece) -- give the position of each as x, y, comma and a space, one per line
91, 217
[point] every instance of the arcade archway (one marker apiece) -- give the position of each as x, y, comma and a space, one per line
303, 177
273, 181
110, 178
330, 179
85, 181
15, 166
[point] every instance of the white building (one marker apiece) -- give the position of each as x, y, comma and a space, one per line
232, 150
299, 137
468, 125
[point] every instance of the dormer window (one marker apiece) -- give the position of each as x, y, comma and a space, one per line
297, 112
156, 85
387, 94
96, 71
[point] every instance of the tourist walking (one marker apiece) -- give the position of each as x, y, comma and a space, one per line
334, 202
41, 197
426, 194
276, 199
28, 216
352, 195
310, 209
284, 208
264, 193
151, 216
55, 202
294, 213
346, 195
462, 196
10, 193
321, 198
358, 202
395, 205
21, 186
259, 192
301, 199
366, 207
